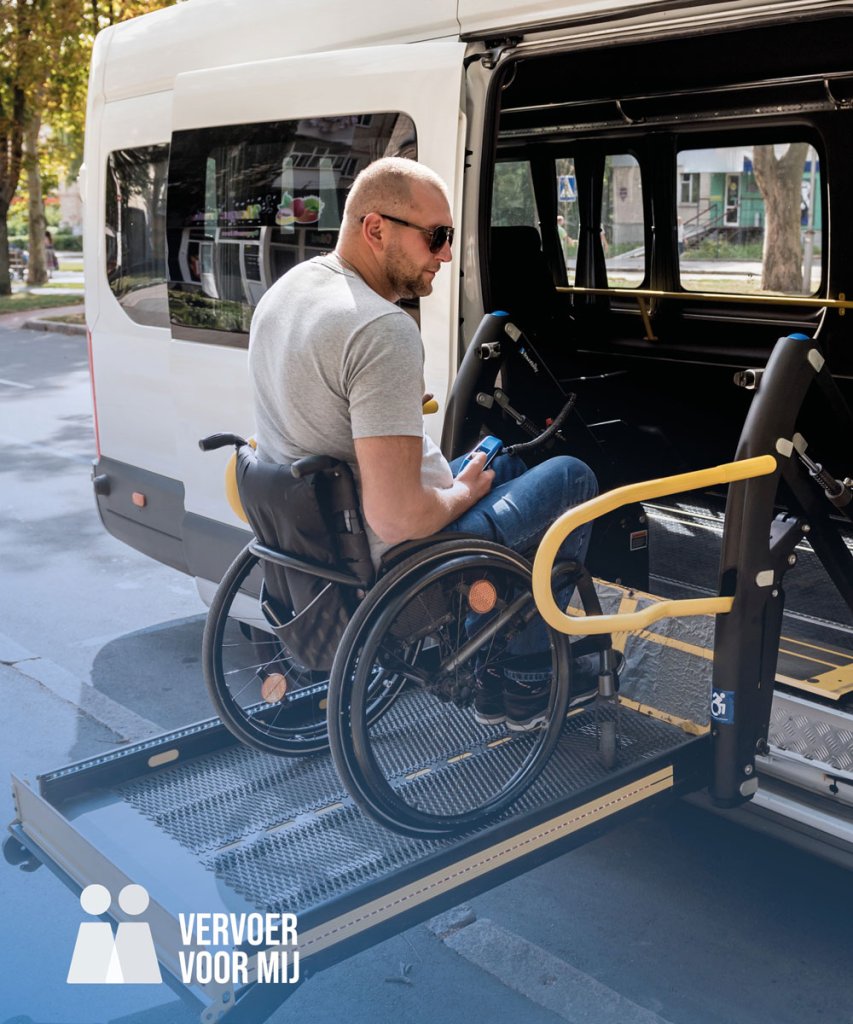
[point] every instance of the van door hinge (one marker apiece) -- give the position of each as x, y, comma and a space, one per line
495, 49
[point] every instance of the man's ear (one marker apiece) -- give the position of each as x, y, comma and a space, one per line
372, 231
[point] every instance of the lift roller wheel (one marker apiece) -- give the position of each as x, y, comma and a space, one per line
16, 854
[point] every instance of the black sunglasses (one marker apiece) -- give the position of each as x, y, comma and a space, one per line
437, 237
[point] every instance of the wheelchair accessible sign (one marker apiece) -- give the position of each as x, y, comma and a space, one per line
723, 706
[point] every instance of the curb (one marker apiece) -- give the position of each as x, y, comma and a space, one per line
57, 326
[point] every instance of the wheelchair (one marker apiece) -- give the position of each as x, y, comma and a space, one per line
307, 648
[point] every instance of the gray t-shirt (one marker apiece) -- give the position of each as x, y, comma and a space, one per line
330, 360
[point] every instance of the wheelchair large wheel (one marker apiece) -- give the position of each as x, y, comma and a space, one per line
263, 696
427, 630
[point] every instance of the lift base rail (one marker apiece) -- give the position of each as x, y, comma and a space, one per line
209, 826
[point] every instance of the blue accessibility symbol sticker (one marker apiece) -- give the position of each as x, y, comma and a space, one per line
723, 706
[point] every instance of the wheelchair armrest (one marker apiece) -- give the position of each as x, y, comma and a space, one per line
312, 464
214, 441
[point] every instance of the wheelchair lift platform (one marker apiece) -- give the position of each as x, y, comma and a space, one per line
207, 825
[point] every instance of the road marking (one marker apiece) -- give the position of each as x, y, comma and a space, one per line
83, 696
538, 975
15, 384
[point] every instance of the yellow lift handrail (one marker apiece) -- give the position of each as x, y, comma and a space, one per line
543, 564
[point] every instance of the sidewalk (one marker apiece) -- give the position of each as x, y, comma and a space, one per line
39, 320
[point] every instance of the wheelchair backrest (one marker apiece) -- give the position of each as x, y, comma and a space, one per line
315, 518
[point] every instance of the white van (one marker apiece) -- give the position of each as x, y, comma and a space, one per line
645, 186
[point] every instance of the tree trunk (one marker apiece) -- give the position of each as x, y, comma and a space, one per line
5, 279
780, 182
37, 269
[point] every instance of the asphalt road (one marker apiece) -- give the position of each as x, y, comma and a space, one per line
680, 918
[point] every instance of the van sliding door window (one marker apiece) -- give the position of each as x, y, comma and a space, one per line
135, 220
750, 219
248, 202
513, 201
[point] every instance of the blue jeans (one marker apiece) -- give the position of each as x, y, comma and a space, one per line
518, 510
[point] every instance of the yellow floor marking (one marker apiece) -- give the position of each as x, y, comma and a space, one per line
810, 658
685, 724
837, 651
833, 684
458, 757
417, 774
838, 681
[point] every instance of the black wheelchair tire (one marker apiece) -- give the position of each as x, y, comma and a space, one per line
349, 726
246, 724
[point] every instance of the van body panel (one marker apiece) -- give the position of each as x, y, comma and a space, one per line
214, 33
423, 80
596, 20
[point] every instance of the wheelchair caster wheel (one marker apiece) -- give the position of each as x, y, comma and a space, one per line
607, 744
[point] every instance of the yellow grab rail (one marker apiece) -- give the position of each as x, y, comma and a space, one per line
543, 564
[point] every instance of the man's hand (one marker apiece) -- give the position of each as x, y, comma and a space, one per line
476, 478
395, 502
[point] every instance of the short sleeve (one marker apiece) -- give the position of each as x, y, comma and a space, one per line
383, 378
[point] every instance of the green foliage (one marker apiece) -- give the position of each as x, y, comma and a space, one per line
193, 309
512, 198
45, 50
64, 241
715, 249
23, 302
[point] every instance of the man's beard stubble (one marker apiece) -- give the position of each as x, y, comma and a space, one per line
407, 280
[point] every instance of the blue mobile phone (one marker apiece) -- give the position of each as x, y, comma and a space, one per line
491, 445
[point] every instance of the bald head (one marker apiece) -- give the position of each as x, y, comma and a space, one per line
393, 185
390, 213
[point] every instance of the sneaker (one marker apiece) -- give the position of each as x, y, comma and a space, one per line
526, 697
526, 693
489, 696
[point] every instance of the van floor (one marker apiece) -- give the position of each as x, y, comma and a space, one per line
816, 652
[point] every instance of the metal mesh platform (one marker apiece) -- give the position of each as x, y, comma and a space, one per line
282, 833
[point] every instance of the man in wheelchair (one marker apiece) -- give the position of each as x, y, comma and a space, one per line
336, 368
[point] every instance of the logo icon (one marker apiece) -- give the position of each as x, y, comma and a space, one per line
723, 706
128, 958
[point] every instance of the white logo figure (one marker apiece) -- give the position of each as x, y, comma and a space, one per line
98, 958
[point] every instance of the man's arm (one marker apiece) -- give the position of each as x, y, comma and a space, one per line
395, 502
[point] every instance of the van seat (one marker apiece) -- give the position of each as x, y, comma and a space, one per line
521, 282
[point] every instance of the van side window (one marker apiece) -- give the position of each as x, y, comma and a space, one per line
751, 221
136, 232
620, 222
513, 199
248, 202
623, 222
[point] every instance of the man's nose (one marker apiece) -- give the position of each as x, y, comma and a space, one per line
445, 253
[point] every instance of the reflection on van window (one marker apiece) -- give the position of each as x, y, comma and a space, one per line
620, 226
135, 219
749, 219
248, 202
513, 201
